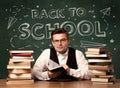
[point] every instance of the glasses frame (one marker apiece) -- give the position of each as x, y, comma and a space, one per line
60, 41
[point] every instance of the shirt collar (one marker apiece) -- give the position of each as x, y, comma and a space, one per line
65, 54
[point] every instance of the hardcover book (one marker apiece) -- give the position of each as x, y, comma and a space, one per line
54, 67
21, 51
98, 49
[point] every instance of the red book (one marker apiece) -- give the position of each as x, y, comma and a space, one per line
21, 54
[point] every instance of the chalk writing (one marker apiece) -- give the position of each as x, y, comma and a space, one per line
84, 28
41, 31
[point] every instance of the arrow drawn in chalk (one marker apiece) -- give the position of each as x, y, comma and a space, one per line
11, 21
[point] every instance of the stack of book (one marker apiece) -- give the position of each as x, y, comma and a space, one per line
100, 62
19, 66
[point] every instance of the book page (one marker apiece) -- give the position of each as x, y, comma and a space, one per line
52, 65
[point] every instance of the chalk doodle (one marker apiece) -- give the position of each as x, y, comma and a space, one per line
39, 31
87, 44
106, 11
11, 21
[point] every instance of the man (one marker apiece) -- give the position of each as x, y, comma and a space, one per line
72, 60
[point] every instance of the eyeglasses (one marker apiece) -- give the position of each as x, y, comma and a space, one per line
61, 41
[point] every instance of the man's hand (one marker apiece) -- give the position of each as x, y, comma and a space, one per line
53, 74
66, 68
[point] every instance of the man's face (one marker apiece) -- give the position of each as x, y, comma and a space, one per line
60, 42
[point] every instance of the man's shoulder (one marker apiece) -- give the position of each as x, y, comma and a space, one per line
46, 50
78, 51
45, 53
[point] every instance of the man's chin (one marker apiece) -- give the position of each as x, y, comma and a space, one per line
61, 51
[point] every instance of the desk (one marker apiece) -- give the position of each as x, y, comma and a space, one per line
53, 84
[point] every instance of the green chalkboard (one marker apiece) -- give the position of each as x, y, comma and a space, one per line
27, 24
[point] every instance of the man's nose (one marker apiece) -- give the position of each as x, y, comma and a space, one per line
60, 42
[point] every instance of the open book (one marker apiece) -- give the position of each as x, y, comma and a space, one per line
54, 67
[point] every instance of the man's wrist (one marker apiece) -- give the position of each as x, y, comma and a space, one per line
68, 70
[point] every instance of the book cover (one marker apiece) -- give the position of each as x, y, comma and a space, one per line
103, 82
21, 54
21, 51
19, 71
22, 63
18, 67
98, 49
54, 67
20, 60
99, 73
96, 52
20, 76
22, 57
96, 55
107, 76
21, 82
100, 79
99, 60
97, 79
99, 67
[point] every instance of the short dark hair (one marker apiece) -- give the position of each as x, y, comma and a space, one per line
59, 31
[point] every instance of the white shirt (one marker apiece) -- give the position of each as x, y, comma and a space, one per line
62, 58
39, 70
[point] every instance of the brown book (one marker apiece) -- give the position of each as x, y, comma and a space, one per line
20, 76
95, 52
21, 54
96, 55
107, 76
91, 52
100, 79
20, 60
98, 49
99, 73
18, 67
22, 63
97, 79
98, 67
19, 71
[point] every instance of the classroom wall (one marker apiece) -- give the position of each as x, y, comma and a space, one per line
27, 24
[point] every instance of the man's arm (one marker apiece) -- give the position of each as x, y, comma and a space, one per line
82, 71
39, 69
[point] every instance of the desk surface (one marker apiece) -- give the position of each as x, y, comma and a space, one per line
53, 84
